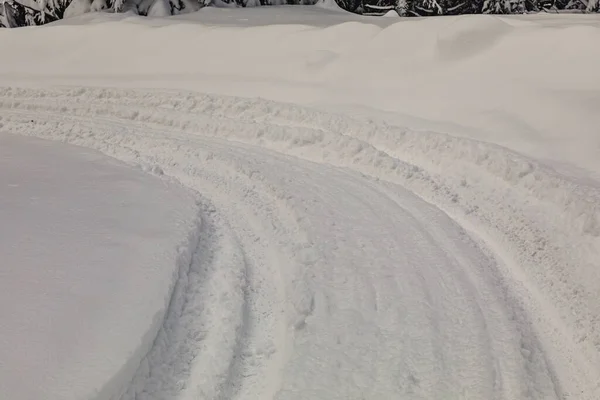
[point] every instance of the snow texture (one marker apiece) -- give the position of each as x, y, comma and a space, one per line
160, 8
376, 223
77, 8
329, 5
91, 250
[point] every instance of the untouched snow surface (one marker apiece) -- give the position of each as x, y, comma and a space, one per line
529, 83
90, 250
390, 208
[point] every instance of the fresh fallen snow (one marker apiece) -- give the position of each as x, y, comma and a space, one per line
90, 251
391, 208
524, 82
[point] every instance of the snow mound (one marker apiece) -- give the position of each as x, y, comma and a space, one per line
470, 36
91, 252
77, 8
330, 5
486, 77
160, 8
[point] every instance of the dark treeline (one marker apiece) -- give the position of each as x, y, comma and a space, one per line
420, 8
17, 13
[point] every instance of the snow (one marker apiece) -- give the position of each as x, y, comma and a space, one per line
330, 5
160, 8
90, 253
98, 5
391, 14
77, 8
390, 208
509, 73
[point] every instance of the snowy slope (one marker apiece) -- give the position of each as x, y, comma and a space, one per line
519, 81
390, 208
91, 250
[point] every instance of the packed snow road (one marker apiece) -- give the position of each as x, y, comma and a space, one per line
341, 258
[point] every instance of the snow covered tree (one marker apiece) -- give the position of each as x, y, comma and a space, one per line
579, 5
32, 12
503, 6
427, 7
349, 5
16, 13
442, 7
3, 22
496, 7
403, 7
458, 7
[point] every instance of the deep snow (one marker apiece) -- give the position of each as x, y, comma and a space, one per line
90, 251
412, 211
529, 83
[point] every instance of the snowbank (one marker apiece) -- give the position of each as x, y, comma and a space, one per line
330, 5
486, 77
91, 250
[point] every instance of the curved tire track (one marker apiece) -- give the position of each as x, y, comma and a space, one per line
224, 147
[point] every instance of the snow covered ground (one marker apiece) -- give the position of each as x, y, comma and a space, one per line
90, 251
389, 207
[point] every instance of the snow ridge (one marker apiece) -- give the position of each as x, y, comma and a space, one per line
158, 334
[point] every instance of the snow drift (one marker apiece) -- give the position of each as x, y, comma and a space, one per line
91, 252
491, 78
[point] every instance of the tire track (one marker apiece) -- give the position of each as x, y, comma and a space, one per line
496, 194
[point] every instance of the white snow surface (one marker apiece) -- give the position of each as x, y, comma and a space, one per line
77, 8
91, 249
390, 208
331, 5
